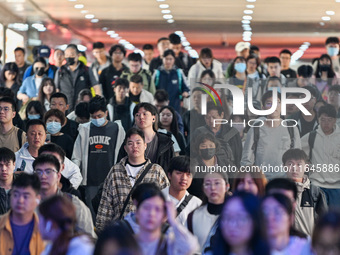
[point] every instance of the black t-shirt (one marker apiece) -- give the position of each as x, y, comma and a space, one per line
135, 99
289, 73
64, 141
306, 127
102, 145
151, 149
122, 112
107, 78
71, 128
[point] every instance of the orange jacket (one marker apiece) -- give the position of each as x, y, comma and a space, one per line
36, 246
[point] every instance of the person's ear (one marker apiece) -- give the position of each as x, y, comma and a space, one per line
59, 176
67, 106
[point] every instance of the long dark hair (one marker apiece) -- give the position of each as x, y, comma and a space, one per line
331, 73
38, 107
12, 67
257, 244
62, 212
41, 95
174, 124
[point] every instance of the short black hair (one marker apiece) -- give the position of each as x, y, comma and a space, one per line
254, 47
56, 113
6, 92
147, 106
98, 103
273, 78
282, 183
305, 71
82, 110
328, 110
145, 191
115, 47
53, 147
20, 49
136, 78
46, 158
121, 82
147, 46
335, 88
161, 95
211, 106
134, 56
39, 60
73, 46
98, 45
162, 39
83, 93
9, 100
7, 155
25, 180
179, 163
296, 154
286, 51
169, 52
332, 40
273, 60
174, 38
35, 122
134, 131
267, 95
206, 52
37, 106
12, 68
58, 95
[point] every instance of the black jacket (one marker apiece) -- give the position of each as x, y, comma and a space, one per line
165, 151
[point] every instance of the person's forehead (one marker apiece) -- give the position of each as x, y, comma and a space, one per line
5, 162
273, 64
134, 84
4, 104
100, 112
36, 128
213, 112
44, 166
70, 51
23, 190
134, 137
58, 100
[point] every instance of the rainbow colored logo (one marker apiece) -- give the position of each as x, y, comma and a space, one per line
208, 92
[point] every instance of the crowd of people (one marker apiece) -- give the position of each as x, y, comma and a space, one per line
142, 155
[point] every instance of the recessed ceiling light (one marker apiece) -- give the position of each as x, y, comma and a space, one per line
168, 16
326, 18
185, 44
180, 33
94, 20
251, 1
114, 35
322, 23
170, 20
89, 16
160, 0
111, 32
79, 6
338, 1
251, 6
166, 11
247, 17
247, 28
248, 12
330, 12
163, 6
307, 43
73, 0
84, 11
245, 21
105, 29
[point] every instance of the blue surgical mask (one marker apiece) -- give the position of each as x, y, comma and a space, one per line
240, 67
53, 127
98, 122
332, 51
33, 116
278, 89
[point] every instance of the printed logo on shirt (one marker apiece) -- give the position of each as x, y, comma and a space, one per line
100, 140
82, 78
174, 81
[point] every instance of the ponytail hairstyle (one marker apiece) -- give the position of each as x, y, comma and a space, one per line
61, 211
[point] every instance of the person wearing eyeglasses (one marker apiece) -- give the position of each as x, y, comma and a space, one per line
47, 167
10, 136
203, 221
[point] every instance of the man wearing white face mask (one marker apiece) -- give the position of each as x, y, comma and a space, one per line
96, 147
332, 46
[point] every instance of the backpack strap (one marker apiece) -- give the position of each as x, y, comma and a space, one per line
184, 203
189, 222
127, 226
19, 133
311, 141
157, 73
231, 133
256, 130
291, 134
148, 77
140, 178
179, 74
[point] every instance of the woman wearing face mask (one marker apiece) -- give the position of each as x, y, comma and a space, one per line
240, 231
30, 86
239, 72
279, 217
54, 120
203, 221
325, 75
205, 154
34, 110
57, 219
47, 88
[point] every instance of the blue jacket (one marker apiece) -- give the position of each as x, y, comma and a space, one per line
28, 87
173, 84
50, 72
